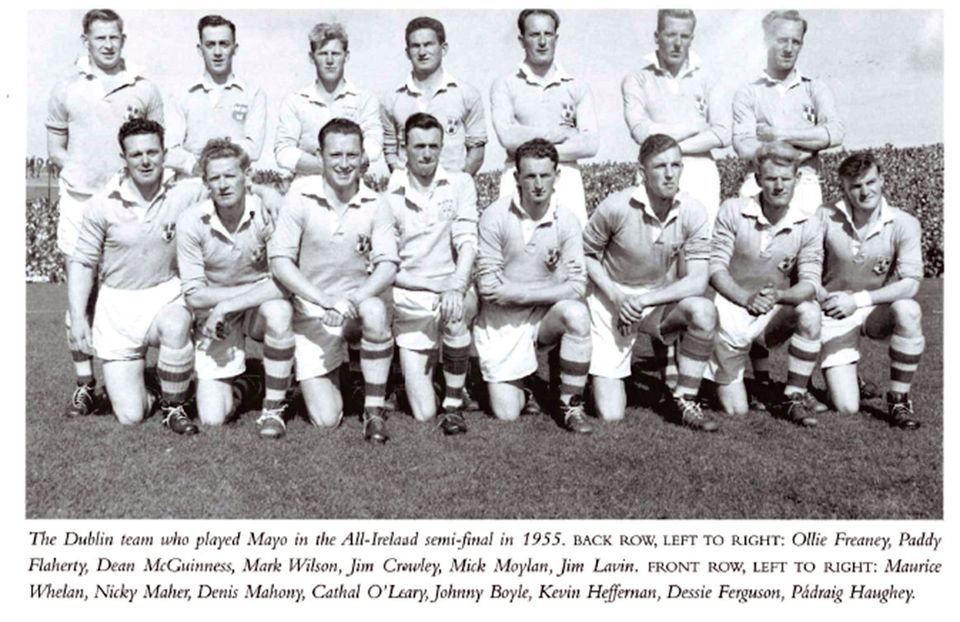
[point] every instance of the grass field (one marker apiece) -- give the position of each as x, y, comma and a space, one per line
644, 467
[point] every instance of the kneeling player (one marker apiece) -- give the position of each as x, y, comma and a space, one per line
531, 277
872, 268
221, 251
335, 248
127, 236
436, 214
765, 264
635, 243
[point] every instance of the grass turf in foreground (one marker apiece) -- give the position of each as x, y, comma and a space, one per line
644, 467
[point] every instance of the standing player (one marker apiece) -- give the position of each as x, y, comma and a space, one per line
430, 89
541, 100
765, 264
216, 104
674, 94
304, 113
531, 276
436, 214
127, 240
784, 105
634, 244
221, 253
335, 248
872, 268
85, 111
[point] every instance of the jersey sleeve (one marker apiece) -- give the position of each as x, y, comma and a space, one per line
285, 241
464, 229
724, 236
190, 254
383, 238
909, 250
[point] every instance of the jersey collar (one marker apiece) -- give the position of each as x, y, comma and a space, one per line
121, 187
556, 75
128, 75
884, 218
315, 187
315, 93
640, 200
792, 80
550, 216
210, 216
652, 61
416, 198
206, 83
794, 216
411, 87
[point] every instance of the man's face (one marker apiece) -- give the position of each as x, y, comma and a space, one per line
342, 156
661, 174
329, 60
143, 155
226, 182
535, 180
217, 48
673, 41
425, 51
776, 183
539, 40
864, 192
784, 44
104, 43
423, 150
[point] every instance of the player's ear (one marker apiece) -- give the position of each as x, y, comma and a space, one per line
443, 49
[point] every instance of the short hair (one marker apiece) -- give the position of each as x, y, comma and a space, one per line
323, 33
778, 152
857, 165
425, 23
524, 14
536, 148
791, 16
421, 121
136, 127
654, 145
663, 14
339, 125
210, 21
100, 15
222, 148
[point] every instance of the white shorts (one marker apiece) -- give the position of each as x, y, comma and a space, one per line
806, 194
506, 341
416, 317
736, 331
123, 317
612, 351
701, 180
318, 349
568, 189
224, 358
841, 338
71, 206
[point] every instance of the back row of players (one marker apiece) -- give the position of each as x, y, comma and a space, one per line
338, 247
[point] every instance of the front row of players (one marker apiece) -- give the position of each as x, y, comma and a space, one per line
333, 264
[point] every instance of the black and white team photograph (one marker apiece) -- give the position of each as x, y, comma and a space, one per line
530, 263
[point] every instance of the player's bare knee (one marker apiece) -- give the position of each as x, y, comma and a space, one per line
277, 316
609, 413
576, 318
808, 320
701, 314
373, 315
212, 416
174, 327
128, 414
907, 316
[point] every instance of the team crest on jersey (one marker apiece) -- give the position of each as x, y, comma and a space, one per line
258, 254
240, 112
786, 265
810, 114
134, 112
169, 231
451, 128
363, 244
569, 114
448, 209
701, 105
882, 266
552, 258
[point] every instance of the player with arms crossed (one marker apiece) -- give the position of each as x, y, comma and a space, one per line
541, 100
436, 215
304, 113
335, 249
872, 268
674, 94
127, 240
221, 253
531, 276
765, 264
216, 104
85, 111
430, 89
635, 243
